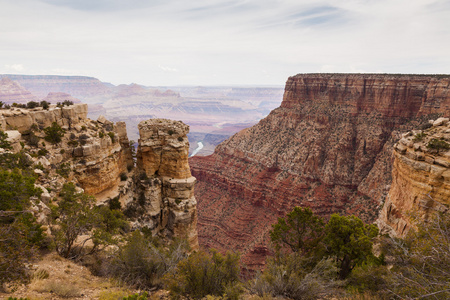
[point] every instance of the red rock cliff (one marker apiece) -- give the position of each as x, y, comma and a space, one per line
328, 146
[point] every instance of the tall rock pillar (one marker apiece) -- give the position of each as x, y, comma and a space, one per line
164, 182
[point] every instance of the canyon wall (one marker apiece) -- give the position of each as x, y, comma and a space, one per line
328, 146
420, 178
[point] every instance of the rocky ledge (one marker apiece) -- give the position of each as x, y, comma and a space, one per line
420, 177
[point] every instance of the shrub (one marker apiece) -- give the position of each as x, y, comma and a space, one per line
54, 133
171, 132
419, 136
32, 104
42, 152
112, 136
204, 274
45, 105
101, 134
438, 145
32, 139
40, 274
142, 264
143, 296
180, 139
290, 276
75, 216
3, 141
73, 143
64, 169
67, 103
422, 260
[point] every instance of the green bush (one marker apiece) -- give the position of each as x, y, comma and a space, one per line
112, 136
64, 169
32, 104
438, 145
204, 274
75, 216
143, 296
42, 152
3, 141
54, 133
419, 136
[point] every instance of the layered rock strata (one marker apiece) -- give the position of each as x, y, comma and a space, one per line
11, 92
328, 146
420, 178
164, 185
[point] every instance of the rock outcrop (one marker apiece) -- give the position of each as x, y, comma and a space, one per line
328, 146
420, 178
23, 119
164, 185
97, 157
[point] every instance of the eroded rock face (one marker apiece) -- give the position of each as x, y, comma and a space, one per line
420, 178
328, 146
165, 188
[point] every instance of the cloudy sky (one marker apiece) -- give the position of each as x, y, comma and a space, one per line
208, 42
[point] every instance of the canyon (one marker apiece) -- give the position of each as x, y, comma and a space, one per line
328, 147
213, 113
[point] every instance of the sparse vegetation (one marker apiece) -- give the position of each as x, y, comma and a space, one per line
141, 263
419, 137
112, 136
204, 273
54, 133
438, 145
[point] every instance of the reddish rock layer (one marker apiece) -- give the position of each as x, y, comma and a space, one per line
328, 147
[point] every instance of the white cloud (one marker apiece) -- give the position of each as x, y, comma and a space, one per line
141, 41
168, 69
14, 68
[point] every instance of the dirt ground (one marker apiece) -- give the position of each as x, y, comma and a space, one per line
59, 278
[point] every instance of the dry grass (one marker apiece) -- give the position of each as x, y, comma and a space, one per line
58, 278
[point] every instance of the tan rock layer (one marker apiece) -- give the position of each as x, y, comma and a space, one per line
166, 202
328, 146
23, 119
420, 184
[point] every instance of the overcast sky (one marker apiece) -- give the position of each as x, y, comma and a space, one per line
208, 42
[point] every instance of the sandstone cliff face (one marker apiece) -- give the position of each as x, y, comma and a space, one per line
164, 185
93, 154
328, 147
420, 178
